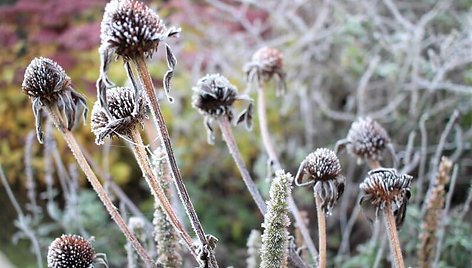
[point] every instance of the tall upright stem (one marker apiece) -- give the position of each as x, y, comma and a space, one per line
321, 232
225, 126
267, 141
393, 236
137, 146
146, 81
227, 133
97, 186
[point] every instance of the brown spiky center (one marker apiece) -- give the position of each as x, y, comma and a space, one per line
70, 251
323, 165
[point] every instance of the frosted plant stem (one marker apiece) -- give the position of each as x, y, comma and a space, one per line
373, 164
148, 86
225, 126
321, 232
21, 220
139, 151
233, 149
267, 141
97, 186
393, 236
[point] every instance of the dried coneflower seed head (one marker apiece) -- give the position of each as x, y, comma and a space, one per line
130, 27
47, 85
125, 111
71, 251
323, 168
214, 96
266, 63
366, 139
384, 187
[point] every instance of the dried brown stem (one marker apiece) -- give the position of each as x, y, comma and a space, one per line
141, 156
225, 126
148, 86
321, 232
267, 141
97, 186
393, 236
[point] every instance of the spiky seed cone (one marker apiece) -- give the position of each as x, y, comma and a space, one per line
45, 79
121, 103
70, 251
324, 168
131, 28
385, 186
47, 85
269, 60
367, 139
214, 96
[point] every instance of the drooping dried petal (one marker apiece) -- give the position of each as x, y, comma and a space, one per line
70, 251
386, 187
125, 112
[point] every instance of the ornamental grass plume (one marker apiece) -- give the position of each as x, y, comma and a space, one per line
388, 191
431, 219
274, 249
367, 139
266, 64
324, 170
166, 239
75, 251
49, 88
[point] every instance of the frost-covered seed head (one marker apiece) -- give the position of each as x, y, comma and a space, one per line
131, 28
322, 165
70, 251
367, 139
45, 79
121, 103
384, 187
269, 60
47, 85
323, 168
214, 95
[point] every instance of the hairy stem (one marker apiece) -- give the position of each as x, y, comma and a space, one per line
146, 81
393, 236
267, 141
234, 151
97, 186
321, 232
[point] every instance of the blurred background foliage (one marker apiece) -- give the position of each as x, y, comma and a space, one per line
404, 65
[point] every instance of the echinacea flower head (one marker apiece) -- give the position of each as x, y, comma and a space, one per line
322, 168
71, 251
366, 139
126, 110
214, 97
132, 30
265, 64
386, 187
47, 85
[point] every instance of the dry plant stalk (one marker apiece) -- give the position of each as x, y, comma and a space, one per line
50, 88
431, 218
254, 243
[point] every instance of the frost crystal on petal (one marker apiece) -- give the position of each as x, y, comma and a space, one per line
70, 251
